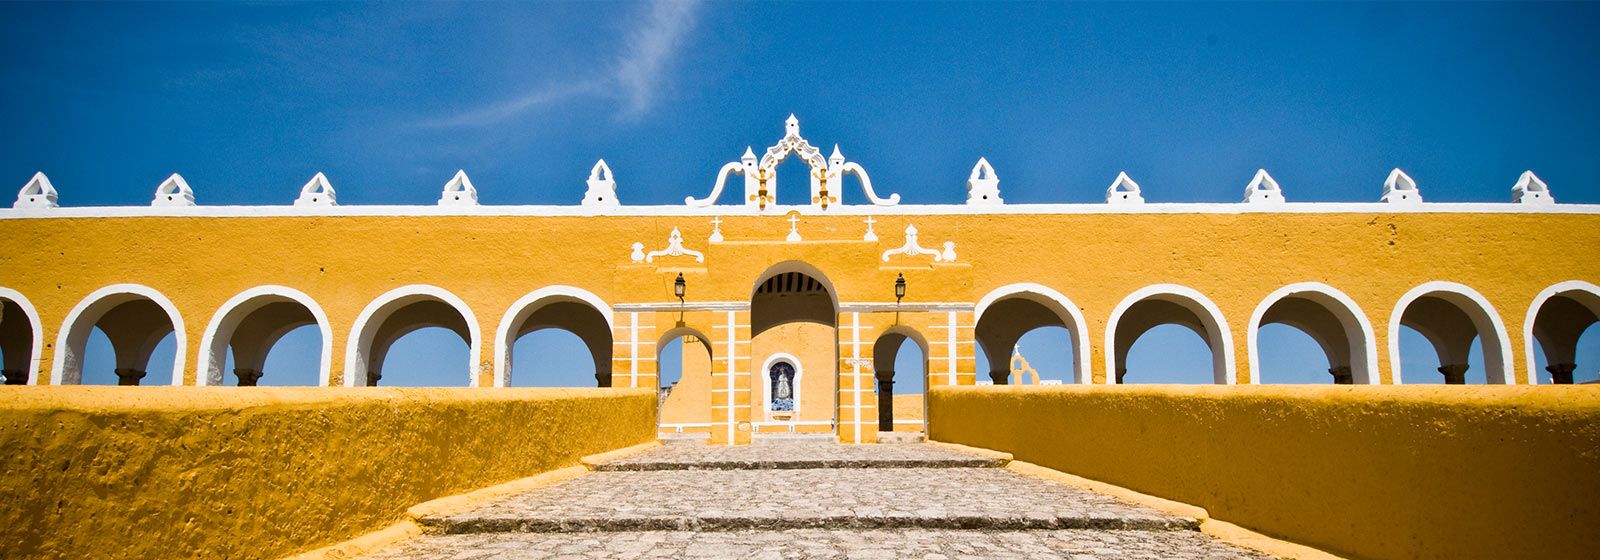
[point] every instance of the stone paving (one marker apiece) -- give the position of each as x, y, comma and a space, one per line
797, 455
1076, 544
888, 501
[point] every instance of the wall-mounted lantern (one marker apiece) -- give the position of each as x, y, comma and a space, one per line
678, 287
899, 288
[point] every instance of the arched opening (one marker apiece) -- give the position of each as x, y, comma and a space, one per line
1146, 311
1049, 321
20, 334
429, 319
1562, 322
794, 342
1451, 317
134, 320
568, 337
683, 356
250, 326
1315, 317
900, 368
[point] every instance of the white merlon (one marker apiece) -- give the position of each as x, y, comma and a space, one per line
1263, 189
1531, 190
317, 192
983, 186
458, 191
37, 193
174, 192
1399, 188
1124, 191
602, 186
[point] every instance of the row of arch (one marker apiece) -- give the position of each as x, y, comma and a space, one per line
1449, 315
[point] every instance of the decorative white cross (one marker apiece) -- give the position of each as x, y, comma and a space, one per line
794, 223
871, 235
716, 229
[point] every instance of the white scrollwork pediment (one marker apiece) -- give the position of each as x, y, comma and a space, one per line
674, 248
912, 248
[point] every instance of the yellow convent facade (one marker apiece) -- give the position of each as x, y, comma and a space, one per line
790, 312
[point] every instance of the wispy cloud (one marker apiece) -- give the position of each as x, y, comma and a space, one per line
634, 77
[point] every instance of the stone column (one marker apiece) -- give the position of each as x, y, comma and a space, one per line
1454, 374
1122, 373
1560, 374
247, 376
372, 377
129, 376
19, 377
1342, 375
1000, 377
885, 401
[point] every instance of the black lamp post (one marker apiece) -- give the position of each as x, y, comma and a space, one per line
899, 288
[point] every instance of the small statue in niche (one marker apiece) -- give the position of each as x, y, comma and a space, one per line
781, 376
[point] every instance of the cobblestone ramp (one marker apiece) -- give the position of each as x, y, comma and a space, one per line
810, 501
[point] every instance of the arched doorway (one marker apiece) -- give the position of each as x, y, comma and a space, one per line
900, 368
794, 341
1047, 317
20, 339
1168, 304
402, 312
1560, 317
250, 325
1333, 323
134, 319
683, 358
1450, 317
571, 321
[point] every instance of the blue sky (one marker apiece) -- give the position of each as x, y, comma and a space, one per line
249, 100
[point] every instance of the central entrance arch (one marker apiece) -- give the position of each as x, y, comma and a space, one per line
794, 338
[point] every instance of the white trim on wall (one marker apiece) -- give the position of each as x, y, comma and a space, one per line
1222, 366
1493, 355
533, 301
219, 332
1533, 314
1364, 364
36, 353
358, 346
1063, 307
75, 331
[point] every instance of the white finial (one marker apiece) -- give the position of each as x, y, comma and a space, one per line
1531, 190
458, 191
1263, 189
794, 231
173, 192
983, 186
1124, 191
749, 155
317, 192
871, 235
716, 229
602, 187
37, 193
1399, 188
837, 157
638, 252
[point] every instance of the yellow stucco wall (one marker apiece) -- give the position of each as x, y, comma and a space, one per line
1369, 472
202, 472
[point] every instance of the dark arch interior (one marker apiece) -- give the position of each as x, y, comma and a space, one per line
1324, 328
886, 363
16, 344
790, 297
1449, 330
558, 329
259, 332
1146, 316
410, 318
1004, 323
1558, 326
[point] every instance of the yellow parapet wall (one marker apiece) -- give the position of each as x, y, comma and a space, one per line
214, 472
1363, 471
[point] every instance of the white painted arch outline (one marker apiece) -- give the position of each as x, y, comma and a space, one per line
360, 342
1054, 301
1495, 354
1533, 314
219, 332
36, 354
525, 306
766, 383
1194, 301
1369, 342
76, 330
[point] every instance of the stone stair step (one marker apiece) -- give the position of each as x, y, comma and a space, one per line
787, 438
901, 437
726, 500
684, 438
796, 456
825, 543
